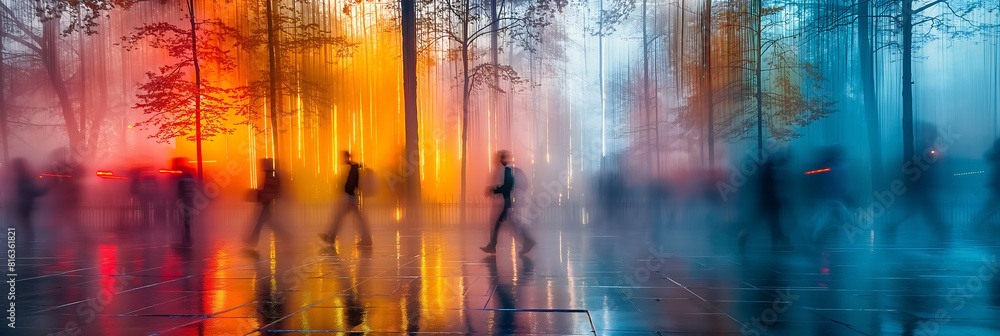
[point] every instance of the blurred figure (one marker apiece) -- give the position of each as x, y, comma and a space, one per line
349, 205
713, 200
67, 188
268, 193
920, 177
26, 194
833, 194
771, 199
144, 191
505, 189
659, 194
185, 198
992, 156
610, 193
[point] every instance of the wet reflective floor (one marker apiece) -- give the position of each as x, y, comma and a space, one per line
627, 275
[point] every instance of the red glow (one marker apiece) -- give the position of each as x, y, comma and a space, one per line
108, 257
107, 174
817, 171
54, 175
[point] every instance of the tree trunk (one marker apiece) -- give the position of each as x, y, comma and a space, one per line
83, 87
409, 29
50, 57
907, 27
465, 104
197, 91
645, 92
272, 88
868, 86
3, 102
706, 29
600, 61
760, 81
495, 59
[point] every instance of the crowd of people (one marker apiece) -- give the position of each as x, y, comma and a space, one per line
794, 200
176, 201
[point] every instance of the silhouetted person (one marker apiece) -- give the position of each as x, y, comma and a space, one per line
267, 195
992, 156
771, 199
349, 205
920, 176
144, 192
67, 189
185, 198
505, 189
27, 192
833, 193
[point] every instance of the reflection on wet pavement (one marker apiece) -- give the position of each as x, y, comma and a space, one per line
626, 277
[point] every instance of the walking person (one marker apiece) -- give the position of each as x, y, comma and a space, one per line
922, 178
143, 188
833, 192
771, 200
26, 193
505, 189
267, 195
992, 157
350, 205
185, 198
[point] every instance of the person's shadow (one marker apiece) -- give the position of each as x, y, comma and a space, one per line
272, 296
505, 293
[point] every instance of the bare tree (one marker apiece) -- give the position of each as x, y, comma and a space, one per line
37, 29
192, 106
282, 33
770, 91
901, 19
463, 23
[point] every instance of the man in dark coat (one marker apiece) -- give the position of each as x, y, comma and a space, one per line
185, 198
992, 157
269, 192
505, 189
351, 204
26, 193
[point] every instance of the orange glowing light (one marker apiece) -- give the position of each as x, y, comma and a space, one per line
169, 171
54, 175
817, 171
107, 174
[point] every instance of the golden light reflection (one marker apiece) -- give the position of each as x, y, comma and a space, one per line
218, 300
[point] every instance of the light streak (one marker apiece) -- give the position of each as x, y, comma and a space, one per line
817, 171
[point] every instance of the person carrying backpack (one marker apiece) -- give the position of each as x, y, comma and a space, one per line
506, 190
269, 192
349, 205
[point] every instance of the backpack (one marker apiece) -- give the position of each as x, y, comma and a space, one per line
270, 189
521, 186
368, 182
